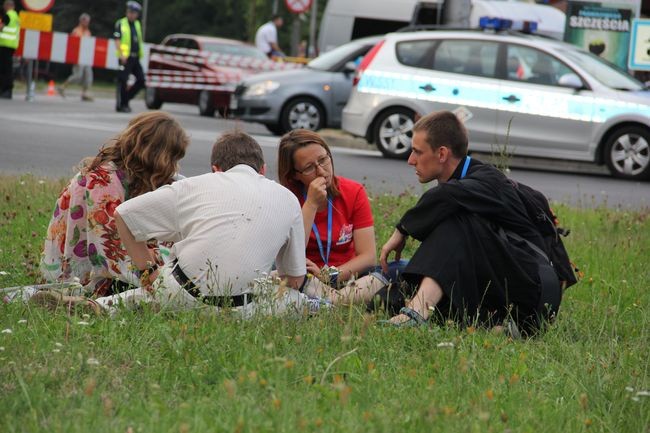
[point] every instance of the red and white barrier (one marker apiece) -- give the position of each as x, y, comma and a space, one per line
186, 68
171, 67
191, 56
61, 47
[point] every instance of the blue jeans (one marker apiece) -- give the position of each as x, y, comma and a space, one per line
395, 269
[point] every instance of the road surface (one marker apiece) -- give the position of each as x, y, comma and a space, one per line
49, 137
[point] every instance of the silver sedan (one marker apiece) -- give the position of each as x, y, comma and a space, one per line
309, 98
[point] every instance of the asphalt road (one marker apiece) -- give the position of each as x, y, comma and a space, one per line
50, 136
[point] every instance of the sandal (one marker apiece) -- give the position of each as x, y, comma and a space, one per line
415, 319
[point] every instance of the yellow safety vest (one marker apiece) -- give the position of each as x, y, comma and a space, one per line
10, 34
125, 41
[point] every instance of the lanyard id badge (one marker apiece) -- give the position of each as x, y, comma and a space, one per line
325, 255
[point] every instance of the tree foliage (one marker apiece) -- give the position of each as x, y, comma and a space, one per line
236, 19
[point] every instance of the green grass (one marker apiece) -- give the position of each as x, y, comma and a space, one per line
194, 372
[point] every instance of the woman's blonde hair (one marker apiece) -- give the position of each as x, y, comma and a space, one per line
147, 151
289, 144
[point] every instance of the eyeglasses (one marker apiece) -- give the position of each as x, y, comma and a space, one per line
322, 162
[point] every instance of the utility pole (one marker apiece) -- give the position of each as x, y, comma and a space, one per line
145, 8
311, 51
275, 7
295, 34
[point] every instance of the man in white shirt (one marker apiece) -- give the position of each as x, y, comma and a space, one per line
266, 38
228, 227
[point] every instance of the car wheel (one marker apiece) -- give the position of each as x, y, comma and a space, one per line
302, 113
393, 132
151, 98
275, 129
627, 153
206, 104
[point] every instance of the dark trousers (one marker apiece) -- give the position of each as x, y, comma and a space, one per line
6, 72
124, 95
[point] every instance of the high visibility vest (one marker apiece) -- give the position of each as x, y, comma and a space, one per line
125, 41
10, 34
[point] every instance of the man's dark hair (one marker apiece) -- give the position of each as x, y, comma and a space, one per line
444, 128
275, 17
237, 147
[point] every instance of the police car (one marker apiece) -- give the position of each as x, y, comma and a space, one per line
525, 94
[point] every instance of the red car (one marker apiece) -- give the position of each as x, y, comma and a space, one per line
201, 70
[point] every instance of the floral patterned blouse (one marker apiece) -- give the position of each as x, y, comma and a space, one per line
82, 240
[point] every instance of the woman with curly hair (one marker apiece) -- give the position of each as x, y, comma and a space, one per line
82, 241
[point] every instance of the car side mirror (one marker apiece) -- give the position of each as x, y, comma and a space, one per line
571, 80
349, 67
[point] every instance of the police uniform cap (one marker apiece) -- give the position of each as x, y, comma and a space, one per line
133, 6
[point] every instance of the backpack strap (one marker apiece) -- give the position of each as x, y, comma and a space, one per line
505, 234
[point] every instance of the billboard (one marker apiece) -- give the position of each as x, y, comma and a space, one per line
600, 28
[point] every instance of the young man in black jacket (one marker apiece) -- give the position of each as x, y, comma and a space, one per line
481, 257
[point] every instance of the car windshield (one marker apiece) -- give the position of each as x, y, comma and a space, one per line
235, 50
603, 71
330, 59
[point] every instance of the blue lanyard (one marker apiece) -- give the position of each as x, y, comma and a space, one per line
325, 257
465, 167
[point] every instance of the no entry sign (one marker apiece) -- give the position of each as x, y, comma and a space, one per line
38, 5
298, 6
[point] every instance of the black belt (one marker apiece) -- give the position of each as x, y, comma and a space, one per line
217, 301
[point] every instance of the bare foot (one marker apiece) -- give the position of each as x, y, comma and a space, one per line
400, 318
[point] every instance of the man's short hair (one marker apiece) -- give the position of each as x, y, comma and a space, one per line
237, 147
9, 3
275, 17
444, 128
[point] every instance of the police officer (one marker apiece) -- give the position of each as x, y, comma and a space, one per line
9, 36
129, 43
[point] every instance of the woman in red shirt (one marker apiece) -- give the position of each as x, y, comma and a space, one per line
339, 229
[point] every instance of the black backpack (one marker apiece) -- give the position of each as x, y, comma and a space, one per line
547, 224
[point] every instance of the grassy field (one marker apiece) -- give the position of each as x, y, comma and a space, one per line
335, 372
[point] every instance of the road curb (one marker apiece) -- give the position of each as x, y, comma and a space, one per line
338, 138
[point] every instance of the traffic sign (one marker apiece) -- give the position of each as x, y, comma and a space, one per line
298, 6
38, 5
35, 21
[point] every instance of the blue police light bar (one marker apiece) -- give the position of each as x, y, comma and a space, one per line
499, 24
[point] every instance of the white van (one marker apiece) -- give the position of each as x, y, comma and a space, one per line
345, 20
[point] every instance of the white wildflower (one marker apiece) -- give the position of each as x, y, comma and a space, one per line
57, 344
83, 323
3, 273
643, 394
2, 348
7, 331
56, 350
629, 389
92, 361
446, 344
22, 321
